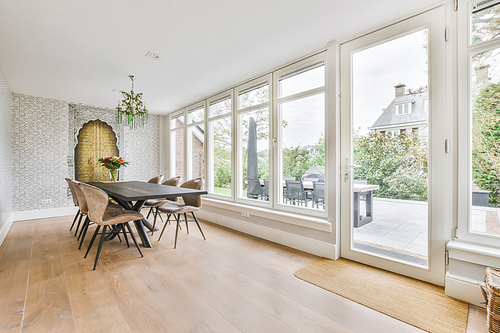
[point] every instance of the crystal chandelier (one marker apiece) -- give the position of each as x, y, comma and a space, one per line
131, 110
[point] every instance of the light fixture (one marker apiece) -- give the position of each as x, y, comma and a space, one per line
131, 109
152, 55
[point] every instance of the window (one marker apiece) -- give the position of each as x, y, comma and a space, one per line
403, 108
301, 132
479, 195
177, 144
196, 141
253, 113
219, 177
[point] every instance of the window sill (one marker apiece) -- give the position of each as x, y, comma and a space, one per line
295, 219
477, 254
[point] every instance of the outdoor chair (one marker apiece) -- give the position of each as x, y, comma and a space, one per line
103, 216
284, 188
318, 194
192, 203
153, 204
254, 189
265, 195
295, 193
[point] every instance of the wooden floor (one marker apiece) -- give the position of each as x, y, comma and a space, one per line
231, 282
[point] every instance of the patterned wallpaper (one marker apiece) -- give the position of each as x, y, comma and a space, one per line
5, 151
44, 137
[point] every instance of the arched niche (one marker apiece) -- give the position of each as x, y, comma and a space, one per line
95, 139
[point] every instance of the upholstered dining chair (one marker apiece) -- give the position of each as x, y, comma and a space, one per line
156, 180
153, 204
75, 201
192, 203
103, 216
82, 204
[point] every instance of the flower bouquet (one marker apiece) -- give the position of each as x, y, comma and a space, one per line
113, 163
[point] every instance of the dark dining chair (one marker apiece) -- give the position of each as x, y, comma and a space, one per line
254, 189
295, 193
192, 203
103, 216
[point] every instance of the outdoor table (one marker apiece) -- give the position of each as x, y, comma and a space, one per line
359, 189
126, 192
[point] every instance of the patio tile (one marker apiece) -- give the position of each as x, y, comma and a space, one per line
365, 237
391, 243
418, 249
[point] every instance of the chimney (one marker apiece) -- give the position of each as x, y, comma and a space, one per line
400, 89
482, 74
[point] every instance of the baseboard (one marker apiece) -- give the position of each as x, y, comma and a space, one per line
5, 228
298, 242
44, 213
465, 289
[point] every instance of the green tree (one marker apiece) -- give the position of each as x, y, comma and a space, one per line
397, 164
486, 140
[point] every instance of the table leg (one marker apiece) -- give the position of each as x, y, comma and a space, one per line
356, 209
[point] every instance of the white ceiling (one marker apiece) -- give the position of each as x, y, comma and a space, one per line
79, 51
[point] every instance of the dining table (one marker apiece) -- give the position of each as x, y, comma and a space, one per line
132, 195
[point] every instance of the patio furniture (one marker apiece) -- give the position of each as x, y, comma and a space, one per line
366, 191
265, 195
103, 216
318, 194
254, 189
191, 204
295, 193
480, 198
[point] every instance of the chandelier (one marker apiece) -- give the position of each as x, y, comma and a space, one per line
131, 110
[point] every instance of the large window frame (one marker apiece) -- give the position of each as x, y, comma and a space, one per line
295, 69
188, 151
173, 130
465, 50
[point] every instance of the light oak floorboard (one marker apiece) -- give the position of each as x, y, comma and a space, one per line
232, 282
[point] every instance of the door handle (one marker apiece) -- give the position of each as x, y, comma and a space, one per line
347, 166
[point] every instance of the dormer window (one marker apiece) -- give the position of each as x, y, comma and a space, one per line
403, 108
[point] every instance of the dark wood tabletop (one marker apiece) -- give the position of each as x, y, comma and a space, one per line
135, 190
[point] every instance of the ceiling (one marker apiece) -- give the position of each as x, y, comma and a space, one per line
79, 51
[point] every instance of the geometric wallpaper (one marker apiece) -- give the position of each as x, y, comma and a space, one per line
5, 151
44, 136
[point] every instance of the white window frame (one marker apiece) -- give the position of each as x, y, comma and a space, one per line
239, 159
172, 151
189, 144
276, 120
209, 170
401, 106
465, 50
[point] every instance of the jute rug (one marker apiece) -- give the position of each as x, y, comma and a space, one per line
414, 302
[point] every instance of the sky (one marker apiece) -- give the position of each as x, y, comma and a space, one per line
377, 69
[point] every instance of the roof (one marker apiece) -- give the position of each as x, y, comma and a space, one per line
418, 114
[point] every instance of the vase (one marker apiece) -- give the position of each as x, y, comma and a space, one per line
113, 175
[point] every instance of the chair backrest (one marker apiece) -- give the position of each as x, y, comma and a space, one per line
174, 181
193, 200
253, 188
295, 190
97, 201
70, 184
82, 202
156, 180
288, 178
310, 179
319, 192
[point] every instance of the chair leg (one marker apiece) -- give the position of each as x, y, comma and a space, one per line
101, 241
186, 220
78, 225
133, 238
74, 220
198, 224
117, 231
92, 240
159, 213
164, 226
177, 217
125, 235
155, 213
84, 229
150, 210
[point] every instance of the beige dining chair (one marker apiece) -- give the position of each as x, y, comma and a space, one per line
192, 203
75, 202
153, 204
156, 180
103, 216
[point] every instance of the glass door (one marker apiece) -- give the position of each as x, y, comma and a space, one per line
393, 130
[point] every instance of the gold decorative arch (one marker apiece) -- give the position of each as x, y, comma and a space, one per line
95, 140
